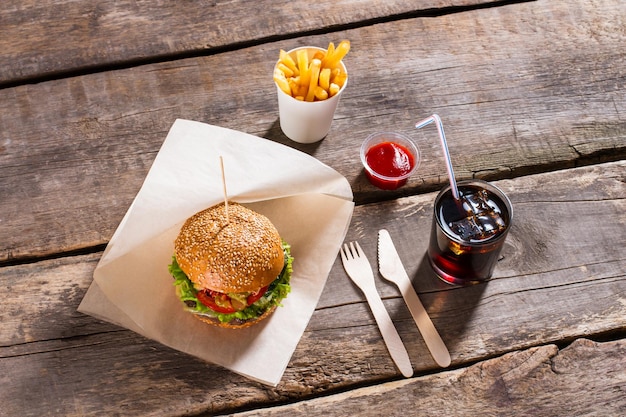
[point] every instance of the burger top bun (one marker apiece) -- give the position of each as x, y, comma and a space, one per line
242, 254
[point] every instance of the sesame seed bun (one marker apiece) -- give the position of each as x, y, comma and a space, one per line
242, 254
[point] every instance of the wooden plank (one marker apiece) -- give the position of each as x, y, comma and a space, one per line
539, 381
43, 40
546, 290
521, 88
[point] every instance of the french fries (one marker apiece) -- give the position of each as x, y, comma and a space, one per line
312, 79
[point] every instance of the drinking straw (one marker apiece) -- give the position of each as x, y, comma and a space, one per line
446, 152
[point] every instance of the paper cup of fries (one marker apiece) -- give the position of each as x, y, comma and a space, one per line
307, 99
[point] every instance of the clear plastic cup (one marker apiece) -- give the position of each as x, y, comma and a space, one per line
468, 234
304, 121
389, 159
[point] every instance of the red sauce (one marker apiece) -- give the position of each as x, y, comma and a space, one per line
389, 159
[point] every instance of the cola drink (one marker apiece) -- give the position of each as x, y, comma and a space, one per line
468, 234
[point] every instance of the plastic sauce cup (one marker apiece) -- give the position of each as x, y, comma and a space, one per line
389, 159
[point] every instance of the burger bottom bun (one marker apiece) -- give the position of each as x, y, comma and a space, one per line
235, 324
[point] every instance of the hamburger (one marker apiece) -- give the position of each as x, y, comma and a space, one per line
230, 269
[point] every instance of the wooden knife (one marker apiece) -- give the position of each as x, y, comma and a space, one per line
391, 268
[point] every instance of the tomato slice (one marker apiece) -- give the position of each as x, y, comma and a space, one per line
208, 300
253, 298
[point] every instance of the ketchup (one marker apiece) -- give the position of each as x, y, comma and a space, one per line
389, 159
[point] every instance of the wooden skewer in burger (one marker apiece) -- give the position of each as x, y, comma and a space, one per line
230, 265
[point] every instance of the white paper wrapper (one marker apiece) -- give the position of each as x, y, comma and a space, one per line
309, 203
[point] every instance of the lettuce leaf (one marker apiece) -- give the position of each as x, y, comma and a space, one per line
276, 292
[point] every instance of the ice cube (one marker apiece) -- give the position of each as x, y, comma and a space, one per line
483, 217
467, 228
490, 222
476, 203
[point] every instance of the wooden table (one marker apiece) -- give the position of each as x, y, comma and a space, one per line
533, 98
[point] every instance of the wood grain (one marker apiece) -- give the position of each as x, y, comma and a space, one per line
531, 95
545, 291
64, 36
542, 381
521, 88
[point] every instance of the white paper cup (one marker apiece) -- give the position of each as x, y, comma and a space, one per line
305, 121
